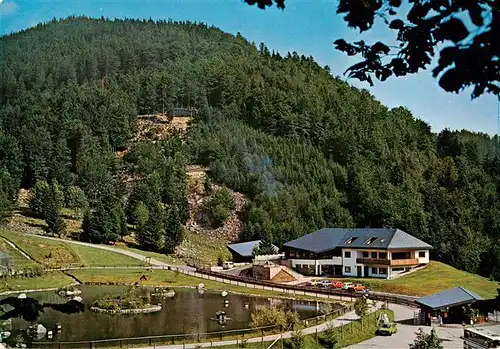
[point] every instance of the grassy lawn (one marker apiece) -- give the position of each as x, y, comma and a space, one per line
204, 249
352, 333
434, 278
94, 256
52, 253
49, 280
172, 279
169, 259
49, 253
18, 260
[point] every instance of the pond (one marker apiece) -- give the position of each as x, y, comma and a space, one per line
187, 312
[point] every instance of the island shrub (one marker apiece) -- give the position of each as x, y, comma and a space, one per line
129, 300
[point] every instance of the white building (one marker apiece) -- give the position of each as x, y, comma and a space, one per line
367, 252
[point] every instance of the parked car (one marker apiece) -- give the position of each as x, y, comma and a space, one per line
336, 284
347, 285
313, 282
227, 265
387, 329
359, 288
325, 283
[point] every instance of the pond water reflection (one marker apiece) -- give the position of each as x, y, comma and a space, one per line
187, 312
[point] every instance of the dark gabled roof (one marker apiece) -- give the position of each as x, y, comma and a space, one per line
381, 238
400, 239
452, 297
245, 249
319, 241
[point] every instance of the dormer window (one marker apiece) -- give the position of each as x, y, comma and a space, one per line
370, 241
351, 240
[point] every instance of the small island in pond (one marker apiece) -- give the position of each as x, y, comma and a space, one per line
128, 303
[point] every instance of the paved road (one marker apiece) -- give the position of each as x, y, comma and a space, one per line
406, 334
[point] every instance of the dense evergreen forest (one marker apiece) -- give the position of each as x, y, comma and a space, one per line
307, 149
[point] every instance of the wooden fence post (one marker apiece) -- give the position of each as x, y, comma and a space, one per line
316, 336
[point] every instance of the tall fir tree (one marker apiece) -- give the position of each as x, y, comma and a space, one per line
51, 212
173, 230
149, 235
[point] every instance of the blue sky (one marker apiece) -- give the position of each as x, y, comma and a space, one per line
306, 26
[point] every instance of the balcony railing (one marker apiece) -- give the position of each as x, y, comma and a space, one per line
372, 261
393, 262
411, 261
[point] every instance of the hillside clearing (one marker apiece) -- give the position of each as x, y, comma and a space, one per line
434, 278
52, 253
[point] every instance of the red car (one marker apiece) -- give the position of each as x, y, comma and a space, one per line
337, 284
359, 288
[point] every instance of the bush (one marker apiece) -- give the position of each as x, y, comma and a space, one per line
268, 316
219, 207
129, 300
297, 341
326, 308
329, 339
361, 306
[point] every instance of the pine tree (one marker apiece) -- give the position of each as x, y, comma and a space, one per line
265, 247
150, 235
37, 197
75, 199
101, 225
173, 230
55, 223
426, 341
141, 215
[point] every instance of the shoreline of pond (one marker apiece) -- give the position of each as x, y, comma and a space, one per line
150, 309
276, 296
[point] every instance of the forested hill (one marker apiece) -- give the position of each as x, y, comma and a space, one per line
308, 150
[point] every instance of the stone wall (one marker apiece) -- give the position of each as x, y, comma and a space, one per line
261, 272
152, 309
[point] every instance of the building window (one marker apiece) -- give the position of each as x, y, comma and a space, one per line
382, 255
351, 240
382, 271
365, 255
347, 254
401, 255
374, 255
347, 270
370, 241
421, 254
374, 271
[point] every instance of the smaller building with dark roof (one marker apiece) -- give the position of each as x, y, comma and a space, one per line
446, 307
243, 252
367, 252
